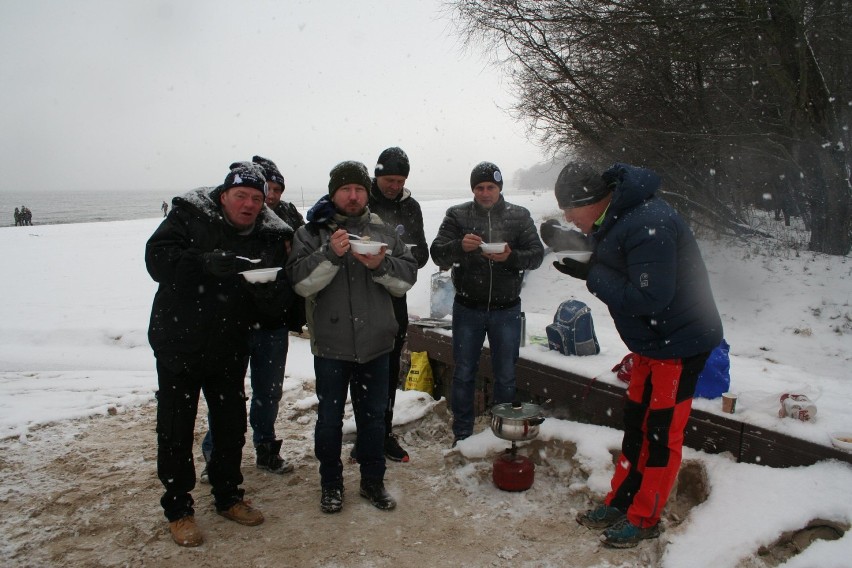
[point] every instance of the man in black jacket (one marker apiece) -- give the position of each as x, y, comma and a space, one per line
392, 201
200, 321
268, 347
648, 270
488, 287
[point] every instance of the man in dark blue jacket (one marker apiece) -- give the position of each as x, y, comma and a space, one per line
648, 270
488, 287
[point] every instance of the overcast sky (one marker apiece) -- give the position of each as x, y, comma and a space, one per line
133, 94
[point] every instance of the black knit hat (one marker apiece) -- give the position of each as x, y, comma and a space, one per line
486, 172
270, 170
579, 185
393, 162
245, 174
348, 172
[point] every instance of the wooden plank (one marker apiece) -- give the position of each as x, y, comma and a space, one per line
713, 434
774, 449
584, 399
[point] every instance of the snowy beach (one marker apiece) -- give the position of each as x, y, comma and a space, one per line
77, 450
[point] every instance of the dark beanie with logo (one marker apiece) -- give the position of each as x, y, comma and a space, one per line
486, 172
245, 174
393, 162
270, 170
578, 185
346, 173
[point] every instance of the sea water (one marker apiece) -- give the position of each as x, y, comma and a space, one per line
61, 206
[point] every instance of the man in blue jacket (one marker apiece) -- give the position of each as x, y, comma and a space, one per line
648, 270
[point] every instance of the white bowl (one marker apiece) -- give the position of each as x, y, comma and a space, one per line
578, 255
842, 440
261, 275
493, 248
366, 247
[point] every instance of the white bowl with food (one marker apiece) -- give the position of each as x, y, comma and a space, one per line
366, 247
493, 248
842, 440
579, 255
261, 275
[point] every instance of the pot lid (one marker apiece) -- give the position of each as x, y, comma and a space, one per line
516, 410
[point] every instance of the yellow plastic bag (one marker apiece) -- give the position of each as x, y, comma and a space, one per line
420, 374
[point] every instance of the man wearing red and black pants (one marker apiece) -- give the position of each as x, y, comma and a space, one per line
648, 270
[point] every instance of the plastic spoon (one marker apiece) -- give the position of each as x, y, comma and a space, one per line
356, 237
251, 260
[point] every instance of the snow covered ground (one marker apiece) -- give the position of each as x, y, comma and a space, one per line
74, 315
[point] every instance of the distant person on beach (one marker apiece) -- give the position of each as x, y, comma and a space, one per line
268, 346
26, 216
201, 318
165, 208
17, 217
352, 324
647, 269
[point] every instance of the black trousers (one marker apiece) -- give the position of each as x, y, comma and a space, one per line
400, 312
220, 375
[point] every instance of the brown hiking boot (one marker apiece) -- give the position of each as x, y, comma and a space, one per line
185, 532
242, 512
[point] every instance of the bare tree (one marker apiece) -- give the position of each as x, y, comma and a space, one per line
728, 100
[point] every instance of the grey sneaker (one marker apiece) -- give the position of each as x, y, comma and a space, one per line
600, 517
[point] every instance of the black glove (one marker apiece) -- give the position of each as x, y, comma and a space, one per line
573, 268
219, 263
548, 230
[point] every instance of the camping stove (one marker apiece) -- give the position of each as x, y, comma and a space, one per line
514, 422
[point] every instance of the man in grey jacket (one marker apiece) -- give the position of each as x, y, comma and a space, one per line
351, 320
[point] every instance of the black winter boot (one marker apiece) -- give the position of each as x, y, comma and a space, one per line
374, 490
268, 458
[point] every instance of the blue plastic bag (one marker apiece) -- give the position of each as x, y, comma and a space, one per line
715, 379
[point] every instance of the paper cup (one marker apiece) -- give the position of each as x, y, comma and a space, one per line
729, 402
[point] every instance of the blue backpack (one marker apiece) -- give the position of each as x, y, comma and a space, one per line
572, 331
716, 376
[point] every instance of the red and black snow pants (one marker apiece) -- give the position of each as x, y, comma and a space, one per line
656, 409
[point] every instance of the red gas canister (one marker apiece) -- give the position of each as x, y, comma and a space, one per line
512, 472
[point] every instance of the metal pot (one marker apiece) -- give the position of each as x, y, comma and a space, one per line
516, 421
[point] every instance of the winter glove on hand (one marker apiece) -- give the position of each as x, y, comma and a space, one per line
573, 268
219, 263
548, 230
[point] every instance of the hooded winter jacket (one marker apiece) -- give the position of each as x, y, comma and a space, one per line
194, 312
479, 282
405, 215
348, 306
648, 270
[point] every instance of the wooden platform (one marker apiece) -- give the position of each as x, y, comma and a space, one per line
582, 399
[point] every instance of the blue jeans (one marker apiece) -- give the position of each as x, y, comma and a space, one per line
368, 385
268, 351
470, 327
